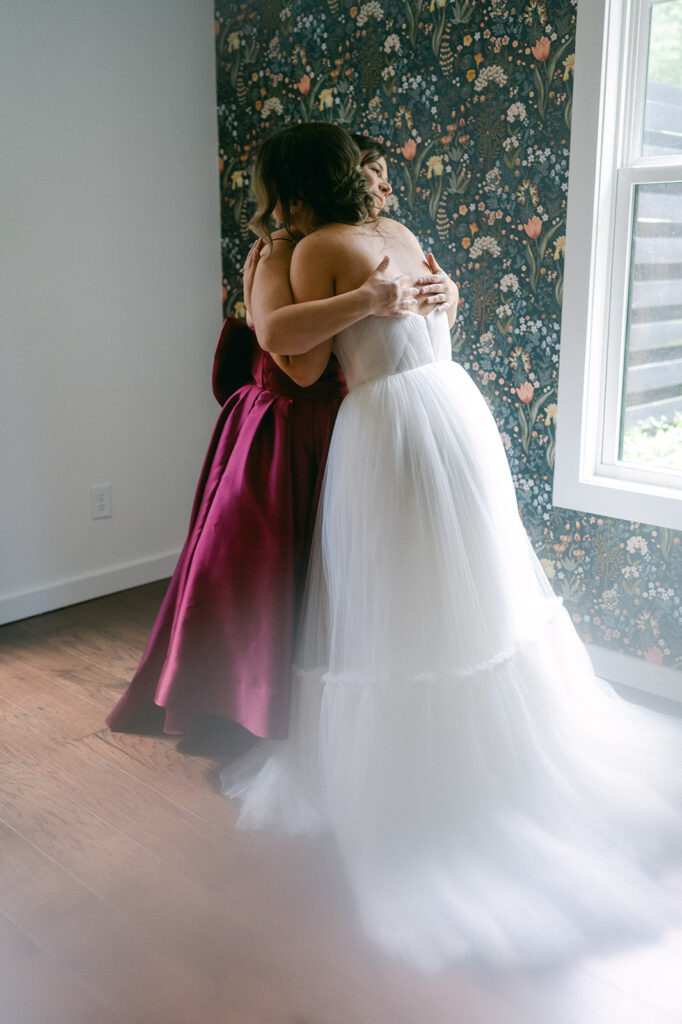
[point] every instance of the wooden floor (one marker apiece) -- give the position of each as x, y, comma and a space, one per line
126, 894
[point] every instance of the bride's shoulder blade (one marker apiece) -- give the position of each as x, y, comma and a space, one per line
323, 244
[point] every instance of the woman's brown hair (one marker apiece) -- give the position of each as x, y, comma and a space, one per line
317, 163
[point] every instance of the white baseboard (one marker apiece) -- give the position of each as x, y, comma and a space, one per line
636, 673
86, 588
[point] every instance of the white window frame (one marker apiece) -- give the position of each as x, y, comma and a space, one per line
610, 76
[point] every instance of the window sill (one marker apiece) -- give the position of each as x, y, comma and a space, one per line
634, 501
636, 674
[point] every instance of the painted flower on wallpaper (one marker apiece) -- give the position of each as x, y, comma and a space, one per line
493, 74
637, 546
326, 100
528, 193
541, 49
414, 155
485, 245
370, 10
533, 227
536, 9
473, 103
545, 69
517, 112
271, 106
434, 166
548, 565
520, 359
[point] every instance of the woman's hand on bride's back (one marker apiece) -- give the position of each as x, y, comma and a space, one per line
388, 296
249, 273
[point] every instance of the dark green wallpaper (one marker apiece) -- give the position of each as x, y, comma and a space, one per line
473, 101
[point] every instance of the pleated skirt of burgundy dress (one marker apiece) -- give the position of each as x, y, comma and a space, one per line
222, 644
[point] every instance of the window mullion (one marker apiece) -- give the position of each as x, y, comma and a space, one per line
634, 60
605, 344
630, 71
620, 258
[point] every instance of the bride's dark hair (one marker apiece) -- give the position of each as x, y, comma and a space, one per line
370, 149
317, 163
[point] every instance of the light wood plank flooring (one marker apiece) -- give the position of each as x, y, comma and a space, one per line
127, 895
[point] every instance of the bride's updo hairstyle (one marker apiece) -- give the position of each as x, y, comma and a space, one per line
370, 149
317, 163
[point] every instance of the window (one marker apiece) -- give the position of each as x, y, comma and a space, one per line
619, 434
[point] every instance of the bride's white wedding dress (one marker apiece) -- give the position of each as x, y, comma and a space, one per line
490, 797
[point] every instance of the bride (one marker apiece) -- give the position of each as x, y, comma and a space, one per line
491, 799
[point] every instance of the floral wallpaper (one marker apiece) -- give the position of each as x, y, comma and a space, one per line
473, 101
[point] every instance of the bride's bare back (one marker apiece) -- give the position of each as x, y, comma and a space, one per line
338, 257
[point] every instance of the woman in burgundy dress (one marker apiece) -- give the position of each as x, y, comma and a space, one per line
222, 643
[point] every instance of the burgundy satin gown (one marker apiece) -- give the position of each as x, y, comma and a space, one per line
222, 643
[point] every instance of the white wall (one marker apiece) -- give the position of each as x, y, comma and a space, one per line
110, 289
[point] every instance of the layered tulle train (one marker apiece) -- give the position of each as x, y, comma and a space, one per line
490, 797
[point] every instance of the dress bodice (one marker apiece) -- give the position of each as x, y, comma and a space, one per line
380, 346
331, 386
239, 361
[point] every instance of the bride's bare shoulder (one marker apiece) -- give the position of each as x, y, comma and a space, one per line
324, 243
396, 230
332, 242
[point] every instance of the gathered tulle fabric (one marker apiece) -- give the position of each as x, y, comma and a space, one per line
490, 797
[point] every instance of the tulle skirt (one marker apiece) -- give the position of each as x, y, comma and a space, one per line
491, 798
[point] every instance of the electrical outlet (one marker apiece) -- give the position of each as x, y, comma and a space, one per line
100, 501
